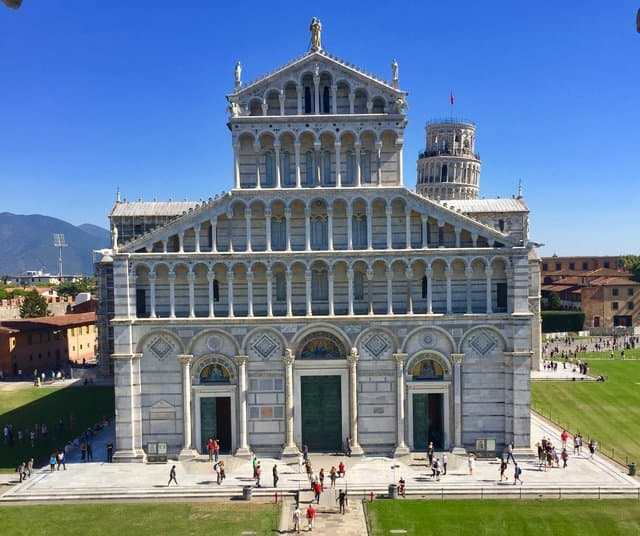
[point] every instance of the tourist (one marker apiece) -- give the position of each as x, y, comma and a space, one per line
275, 476
342, 471
438, 468
333, 476
563, 437
258, 474
575, 444
309, 471
347, 446
471, 462
297, 514
83, 451
430, 453
503, 468
565, 456
516, 474
322, 478
6, 435
316, 491
216, 449
300, 463
311, 514
216, 468
592, 448
579, 444
21, 471
509, 451
254, 463
305, 453
210, 449
52, 461
89, 452
30, 467
402, 487
223, 474
445, 460
343, 500
172, 476
540, 453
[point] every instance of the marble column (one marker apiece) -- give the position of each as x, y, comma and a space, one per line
458, 230
211, 277
307, 292
356, 449
267, 221
187, 452
408, 273
401, 447
399, 146
230, 229
407, 227
370, 290
296, 147
369, 227
389, 274
457, 402
388, 212
334, 99
236, 165
379, 163
468, 271
474, 239
449, 272
165, 245
196, 233
488, 275
249, 292
269, 276
330, 277
307, 228
247, 219
425, 231
350, 291
316, 95
172, 294
349, 227
338, 149
428, 274
191, 278
281, 98
214, 235
256, 148
181, 242
230, 292
290, 448
152, 294
289, 278
330, 227
352, 101
243, 447
357, 148
128, 419
287, 218
276, 149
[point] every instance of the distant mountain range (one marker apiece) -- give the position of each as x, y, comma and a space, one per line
26, 243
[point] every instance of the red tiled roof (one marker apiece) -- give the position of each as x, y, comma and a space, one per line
48, 322
614, 281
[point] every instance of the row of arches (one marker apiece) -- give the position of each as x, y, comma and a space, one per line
448, 171
323, 287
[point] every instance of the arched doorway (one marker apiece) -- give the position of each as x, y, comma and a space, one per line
428, 389
321, 374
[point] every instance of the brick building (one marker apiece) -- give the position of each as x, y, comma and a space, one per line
47, 343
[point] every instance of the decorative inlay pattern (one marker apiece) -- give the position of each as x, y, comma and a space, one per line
483, 343
161, 347
214, 343
429, 340
264, 346
376, 345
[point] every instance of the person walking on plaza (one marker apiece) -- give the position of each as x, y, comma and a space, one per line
402, 487
300, 463
342, 500
216, 449
83, 451
563, 437
579, 438
503, 468
322, 478
592, 448
471, 462
565, 456
52, 461
29, 467
342, 471
311, 514
216, 468
333, 476
275, 476
258, 475
210, 449
445, 461
317, 489
430, 453
516, 474
172, 476
89, 452
347, 447
305, 453
297, 514
509, 450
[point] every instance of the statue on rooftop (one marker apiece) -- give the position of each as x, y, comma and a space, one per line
316, 34
394, 73
114, 239
238, 75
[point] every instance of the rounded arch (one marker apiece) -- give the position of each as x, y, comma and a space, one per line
447, 336
211, 331
387, 331
468, 333
319, 328
209, 361
157, 333
428, 355
251, 333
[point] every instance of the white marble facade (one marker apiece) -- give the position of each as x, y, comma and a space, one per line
320, 263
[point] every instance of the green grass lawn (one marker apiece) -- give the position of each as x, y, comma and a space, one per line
212, 519
23, 408
609, 412
506, 517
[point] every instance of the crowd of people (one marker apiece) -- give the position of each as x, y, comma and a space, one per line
567, 348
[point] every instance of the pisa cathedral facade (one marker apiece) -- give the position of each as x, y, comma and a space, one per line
320, 299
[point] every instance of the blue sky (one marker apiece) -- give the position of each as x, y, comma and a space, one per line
99, 94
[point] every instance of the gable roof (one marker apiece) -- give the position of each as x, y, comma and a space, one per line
487, 205
319, 54
151, 208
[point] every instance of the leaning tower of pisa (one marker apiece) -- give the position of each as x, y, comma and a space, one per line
449, 167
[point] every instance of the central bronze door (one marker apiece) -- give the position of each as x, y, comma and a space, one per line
321, 413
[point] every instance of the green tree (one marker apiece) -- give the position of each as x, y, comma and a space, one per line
632, 263
34, 306
73, 288
554, 303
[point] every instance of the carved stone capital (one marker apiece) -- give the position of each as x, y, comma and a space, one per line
288, 357
241, 360
185, 359
457, 358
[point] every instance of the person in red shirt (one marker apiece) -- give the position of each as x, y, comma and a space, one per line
311, 514
341, 469
216, 449
564, 436
317, 489
210, 449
